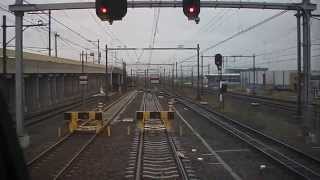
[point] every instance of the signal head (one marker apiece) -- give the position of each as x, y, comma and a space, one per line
191, 8
218, 60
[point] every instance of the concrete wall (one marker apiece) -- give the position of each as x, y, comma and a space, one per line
48, 91
53, 82
37, 63
50, 82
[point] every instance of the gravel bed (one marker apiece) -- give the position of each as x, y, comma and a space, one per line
49, 165
107, 156
272, 121
45, 133
244, 160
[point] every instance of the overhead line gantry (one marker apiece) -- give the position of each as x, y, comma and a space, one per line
303, 10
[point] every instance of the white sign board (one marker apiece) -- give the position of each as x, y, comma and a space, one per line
83, 77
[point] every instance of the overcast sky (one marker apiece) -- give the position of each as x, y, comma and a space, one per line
273, 42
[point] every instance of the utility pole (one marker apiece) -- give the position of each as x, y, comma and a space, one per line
19, 80
82, 85
82, 62
164, 76
124, 76
306, 56
192, 78
198, 83
86, 56
145, 79
201, 74
131, 78
176, 70
181, 77
49, 36
254, 71
307, 97
4, 43
56, 35
106, 78
172, 76
99, 54
298, 15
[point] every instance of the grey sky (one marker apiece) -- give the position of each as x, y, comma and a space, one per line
135, 30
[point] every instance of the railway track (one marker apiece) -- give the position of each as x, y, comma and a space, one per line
296, 161
35, 119
154, 154
55, 160
286, 105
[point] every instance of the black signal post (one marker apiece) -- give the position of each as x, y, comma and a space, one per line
218, 61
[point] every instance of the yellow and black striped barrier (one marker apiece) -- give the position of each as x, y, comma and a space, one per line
84, 120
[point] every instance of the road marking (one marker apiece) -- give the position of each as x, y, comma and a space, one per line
224, 164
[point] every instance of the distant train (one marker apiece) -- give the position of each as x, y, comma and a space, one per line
155, 78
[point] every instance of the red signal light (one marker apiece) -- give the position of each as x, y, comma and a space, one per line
191, 9
104, 10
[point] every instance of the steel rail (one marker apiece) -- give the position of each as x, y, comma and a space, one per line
267, 102
85, 146
36, 158
140, 152
43, 116
60, 141
291, 164
250, 129
265, 98
182, 170
282, 104
234, 175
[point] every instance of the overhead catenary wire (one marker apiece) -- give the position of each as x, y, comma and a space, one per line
68, 28
154, 33
279, 61
238, 34
67, 41
222, 20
